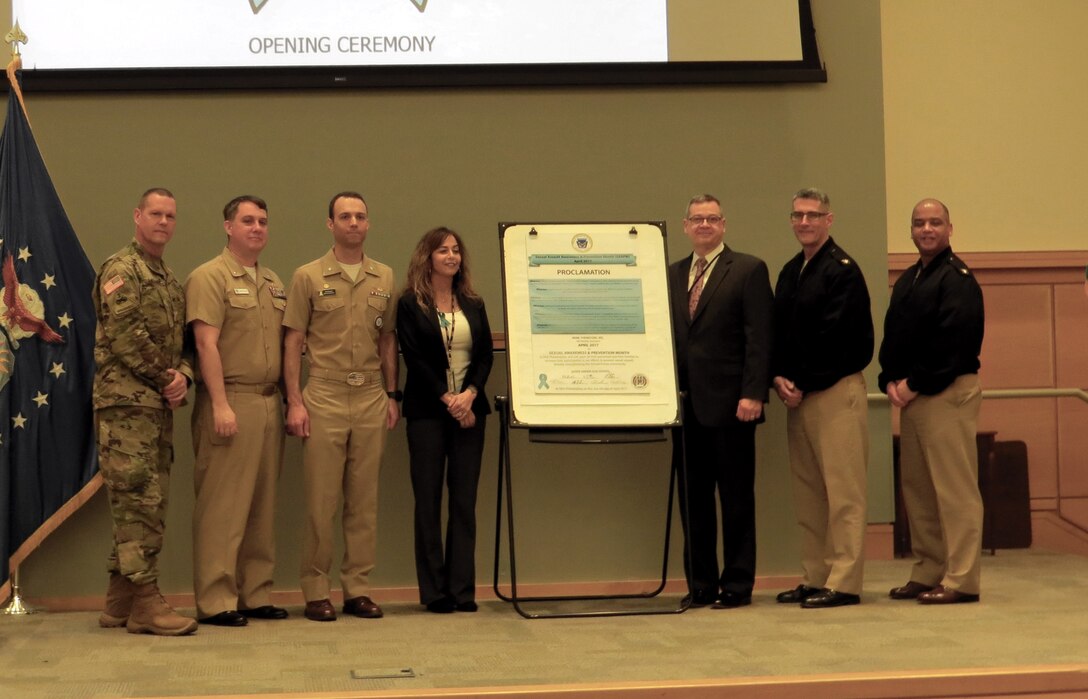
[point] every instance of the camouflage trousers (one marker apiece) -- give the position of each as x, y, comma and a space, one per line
135, 451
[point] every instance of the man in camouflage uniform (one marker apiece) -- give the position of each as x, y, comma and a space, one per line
234, 306
140, 379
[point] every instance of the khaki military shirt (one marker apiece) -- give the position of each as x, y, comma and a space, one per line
141, 323
342, 319
249, 317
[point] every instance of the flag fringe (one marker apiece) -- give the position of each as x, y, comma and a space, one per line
49, 526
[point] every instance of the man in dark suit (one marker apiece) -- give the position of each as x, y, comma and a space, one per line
722, 319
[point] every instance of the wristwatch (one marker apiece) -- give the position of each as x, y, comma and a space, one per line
397, 395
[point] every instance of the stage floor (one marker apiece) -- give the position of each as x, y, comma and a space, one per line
1028, 636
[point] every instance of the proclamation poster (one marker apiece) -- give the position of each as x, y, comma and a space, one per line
588, 331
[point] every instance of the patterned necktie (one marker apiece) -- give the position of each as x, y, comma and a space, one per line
696, 288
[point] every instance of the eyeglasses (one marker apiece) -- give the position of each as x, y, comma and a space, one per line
700, 220
810, 215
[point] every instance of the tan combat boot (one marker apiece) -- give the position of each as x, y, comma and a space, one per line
151, 614
118, 602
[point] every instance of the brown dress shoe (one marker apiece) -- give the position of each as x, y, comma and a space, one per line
363, 607
909, 591
320, 610
945, 595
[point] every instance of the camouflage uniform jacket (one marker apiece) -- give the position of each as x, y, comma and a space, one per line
141, 323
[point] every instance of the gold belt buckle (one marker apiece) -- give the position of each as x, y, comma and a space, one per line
356, 378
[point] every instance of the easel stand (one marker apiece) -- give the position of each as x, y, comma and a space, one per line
624, 436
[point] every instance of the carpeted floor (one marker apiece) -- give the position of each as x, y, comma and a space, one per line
1031, 613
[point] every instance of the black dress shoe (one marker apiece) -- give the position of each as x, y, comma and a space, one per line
797, 594
468, 606
266, 611
946, 595
229, 618
909, 591
363, 607
320, 610
830, 598
698, 599
442, 605
732, 600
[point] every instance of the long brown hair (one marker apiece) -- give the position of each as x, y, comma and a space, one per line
419, 268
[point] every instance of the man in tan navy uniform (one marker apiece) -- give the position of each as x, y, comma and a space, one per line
823, 340
235, 310
340, 308
929, 368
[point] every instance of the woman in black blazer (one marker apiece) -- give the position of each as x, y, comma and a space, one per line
446, 340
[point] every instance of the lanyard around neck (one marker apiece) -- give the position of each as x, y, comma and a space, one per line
448, 327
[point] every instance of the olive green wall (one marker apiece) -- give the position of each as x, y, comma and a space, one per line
469, 159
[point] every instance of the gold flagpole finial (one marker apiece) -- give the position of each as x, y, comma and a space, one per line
15, 37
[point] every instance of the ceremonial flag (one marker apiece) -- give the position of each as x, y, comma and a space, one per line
48, 459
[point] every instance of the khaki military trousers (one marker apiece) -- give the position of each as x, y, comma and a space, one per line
829, 455
234, 516
938, 467
135, 451
341, 460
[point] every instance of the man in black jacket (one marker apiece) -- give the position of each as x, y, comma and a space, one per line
929, 368
823, 341
722, 325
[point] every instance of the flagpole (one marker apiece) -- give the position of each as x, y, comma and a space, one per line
14, 604
15, 37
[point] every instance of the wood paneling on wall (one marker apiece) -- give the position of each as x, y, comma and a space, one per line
1036, 337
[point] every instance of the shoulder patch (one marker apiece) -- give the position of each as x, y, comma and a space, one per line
113, 284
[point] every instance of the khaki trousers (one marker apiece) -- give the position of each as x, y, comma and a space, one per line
829, 455
938, 466
341, 459
234, 548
